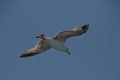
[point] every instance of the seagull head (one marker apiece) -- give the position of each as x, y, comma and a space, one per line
42, 36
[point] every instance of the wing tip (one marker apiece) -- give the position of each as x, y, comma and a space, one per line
85, 27
24, 55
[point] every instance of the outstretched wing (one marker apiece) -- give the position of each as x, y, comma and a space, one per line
39, 48
64, 35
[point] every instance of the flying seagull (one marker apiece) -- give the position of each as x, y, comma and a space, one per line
57, 42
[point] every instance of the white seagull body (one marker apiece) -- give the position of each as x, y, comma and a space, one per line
57, 42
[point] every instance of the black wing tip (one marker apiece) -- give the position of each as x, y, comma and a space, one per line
24, 55
85, 27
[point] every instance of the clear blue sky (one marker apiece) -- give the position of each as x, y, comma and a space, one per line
95, 55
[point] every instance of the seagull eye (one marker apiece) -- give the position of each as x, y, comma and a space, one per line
42, 35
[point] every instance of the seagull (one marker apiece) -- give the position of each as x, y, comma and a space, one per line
57, 42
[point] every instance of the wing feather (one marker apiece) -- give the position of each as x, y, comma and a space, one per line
40, 47
64, 35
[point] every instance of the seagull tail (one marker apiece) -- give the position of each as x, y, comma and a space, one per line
68, 53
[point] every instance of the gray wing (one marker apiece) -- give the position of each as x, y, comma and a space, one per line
40, 47
64, 35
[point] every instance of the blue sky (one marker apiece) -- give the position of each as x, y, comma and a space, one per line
95, 55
